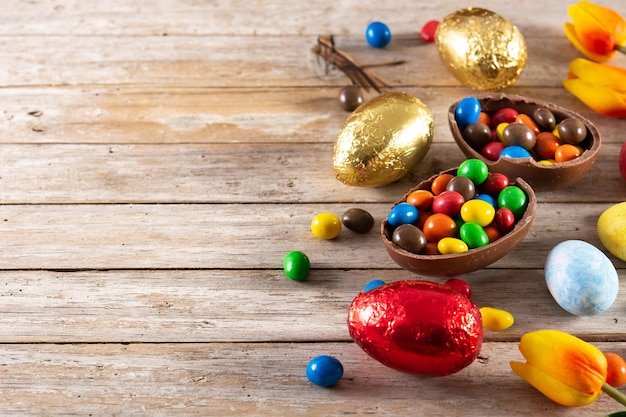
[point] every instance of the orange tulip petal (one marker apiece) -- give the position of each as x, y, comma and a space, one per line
598, 98
612, 21
590, 31
566, 358
570, 33
551, 387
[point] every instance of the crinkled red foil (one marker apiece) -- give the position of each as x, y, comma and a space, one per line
419, 327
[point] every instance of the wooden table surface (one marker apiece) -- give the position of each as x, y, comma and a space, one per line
158, 160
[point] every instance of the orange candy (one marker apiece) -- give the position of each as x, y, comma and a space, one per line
440, 183
546, 145
422, 199
438, 226
492, 232
567, 152
484, 118
528, 121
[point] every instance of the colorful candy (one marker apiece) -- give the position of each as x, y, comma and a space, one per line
496, 319
324, 371
427, 33
467, 111
326, 226
538, 135
375, 283
378, 34
449, 222
296, 265
357, 220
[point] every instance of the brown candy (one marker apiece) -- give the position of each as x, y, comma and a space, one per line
572, 131
544, 118
463, 186
351, 97
477, 135
517, 134
357, 220
409, 237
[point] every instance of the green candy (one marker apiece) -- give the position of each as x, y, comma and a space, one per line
513, 198
474, 169
473, 235
296, 265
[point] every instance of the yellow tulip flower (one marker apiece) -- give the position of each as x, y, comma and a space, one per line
601, 87
596, 31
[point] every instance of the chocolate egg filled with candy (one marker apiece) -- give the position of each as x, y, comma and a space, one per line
382, 140
419, 327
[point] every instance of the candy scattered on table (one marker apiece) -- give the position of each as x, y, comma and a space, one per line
351, 97
611, 228
427, 32
324, 371
296, 265
496, 319
418, 327
581, 278
456, 213
622, 160
326, 226
357, 220
378, 34
375, 283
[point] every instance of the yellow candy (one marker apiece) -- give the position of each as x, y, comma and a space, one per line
500, 129
496, 319
449, 245
326, 226
477, 211
546, 162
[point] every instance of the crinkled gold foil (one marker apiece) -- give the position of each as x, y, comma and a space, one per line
482, 49
382, 140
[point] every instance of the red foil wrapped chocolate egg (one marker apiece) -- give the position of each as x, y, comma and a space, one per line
418, 327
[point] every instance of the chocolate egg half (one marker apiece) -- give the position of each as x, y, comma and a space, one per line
382, 140
418, 327
482, 49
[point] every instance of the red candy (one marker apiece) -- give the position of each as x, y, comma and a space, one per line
428, 31
491, 151
420, 327
505, 220
622, 160
494, 183
448, 202
506, 115
546, 145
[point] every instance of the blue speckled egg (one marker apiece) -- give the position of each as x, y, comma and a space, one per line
581, 278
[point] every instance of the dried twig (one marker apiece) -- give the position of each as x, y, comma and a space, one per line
357, 73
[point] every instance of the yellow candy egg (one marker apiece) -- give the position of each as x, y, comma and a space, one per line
612, 230
477, 211
482, 49
449, 245
496, 319
382, 140
326, 226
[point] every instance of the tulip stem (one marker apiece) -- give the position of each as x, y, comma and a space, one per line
614, 393
621, 48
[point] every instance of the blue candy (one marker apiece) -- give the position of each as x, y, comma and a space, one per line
324, 371
467, 111
486, 197
373, 284
403, 213
515, 152
378, 34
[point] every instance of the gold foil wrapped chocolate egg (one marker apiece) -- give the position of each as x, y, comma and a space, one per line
382, 140
482, 49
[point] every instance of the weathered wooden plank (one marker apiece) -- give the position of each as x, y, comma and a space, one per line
202, 306
233, 173
232, 236
155, 115
242, 61
241, 17
259, 380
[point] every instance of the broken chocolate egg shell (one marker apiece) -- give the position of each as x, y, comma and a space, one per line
540, 177
460, 263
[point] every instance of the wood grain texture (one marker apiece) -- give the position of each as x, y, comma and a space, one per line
158, 160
